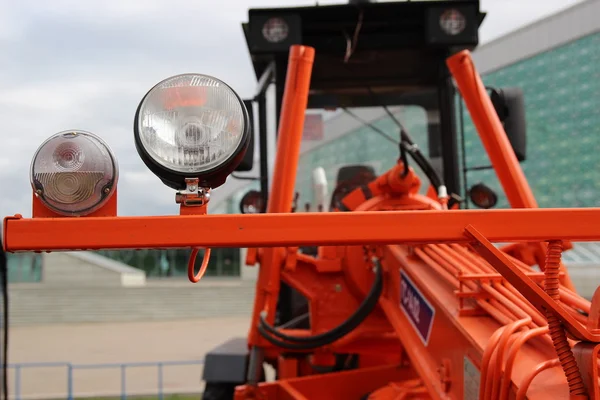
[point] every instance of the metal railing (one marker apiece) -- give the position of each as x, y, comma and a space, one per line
123, 367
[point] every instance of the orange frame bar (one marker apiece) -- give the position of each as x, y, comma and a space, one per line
305, 229
491, 131
291, 125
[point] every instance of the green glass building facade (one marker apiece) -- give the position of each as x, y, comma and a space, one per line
562, 97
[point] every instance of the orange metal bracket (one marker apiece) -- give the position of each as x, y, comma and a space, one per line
586, 355
339, 385
527, 287
306, 229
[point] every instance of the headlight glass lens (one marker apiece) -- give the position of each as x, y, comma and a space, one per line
74, 172
190, 123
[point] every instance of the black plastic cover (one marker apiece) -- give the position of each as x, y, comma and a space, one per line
248, 160
227, 362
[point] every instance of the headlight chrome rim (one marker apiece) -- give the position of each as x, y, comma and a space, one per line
209, 178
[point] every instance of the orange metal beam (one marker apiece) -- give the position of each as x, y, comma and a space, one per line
306, 229
347, 384
491, 131
291, 125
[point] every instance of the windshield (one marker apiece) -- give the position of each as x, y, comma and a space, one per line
359, 144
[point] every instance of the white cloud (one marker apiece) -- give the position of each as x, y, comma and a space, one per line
51, 96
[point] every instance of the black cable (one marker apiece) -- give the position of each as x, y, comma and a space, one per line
246, 178
353, 321
407, 143
404, 136
404, 159
323, 339
4, 283
409, 146
423, 162
373, 127
296, 321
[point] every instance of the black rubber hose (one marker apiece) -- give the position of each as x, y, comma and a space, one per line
404, 159
407, 144
422, 161
323, 339
352, 322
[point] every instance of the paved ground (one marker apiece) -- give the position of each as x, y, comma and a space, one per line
116, 343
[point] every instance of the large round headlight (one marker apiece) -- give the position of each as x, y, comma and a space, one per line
74, 173
192, 126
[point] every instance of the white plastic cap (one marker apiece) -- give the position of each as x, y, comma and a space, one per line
319, 179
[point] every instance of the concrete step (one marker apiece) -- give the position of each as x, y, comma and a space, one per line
44, 304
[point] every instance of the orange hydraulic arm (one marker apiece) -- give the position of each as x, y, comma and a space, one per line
281, 196
491, 131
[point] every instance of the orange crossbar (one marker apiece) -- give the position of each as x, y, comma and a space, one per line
306, 229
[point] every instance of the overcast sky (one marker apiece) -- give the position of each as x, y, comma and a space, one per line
69, 64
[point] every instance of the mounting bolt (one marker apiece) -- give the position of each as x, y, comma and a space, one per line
444, 371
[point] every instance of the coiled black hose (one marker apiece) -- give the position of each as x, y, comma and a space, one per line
311, 342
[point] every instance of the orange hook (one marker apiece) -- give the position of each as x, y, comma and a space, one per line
193, 277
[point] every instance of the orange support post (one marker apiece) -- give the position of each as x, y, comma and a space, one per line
491, 131
496, 143
291, 125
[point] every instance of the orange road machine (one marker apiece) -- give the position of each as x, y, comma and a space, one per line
396, 290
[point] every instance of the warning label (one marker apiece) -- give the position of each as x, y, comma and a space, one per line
419, 311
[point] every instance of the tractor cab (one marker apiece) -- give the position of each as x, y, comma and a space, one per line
379, 69
372, 60
380, 89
